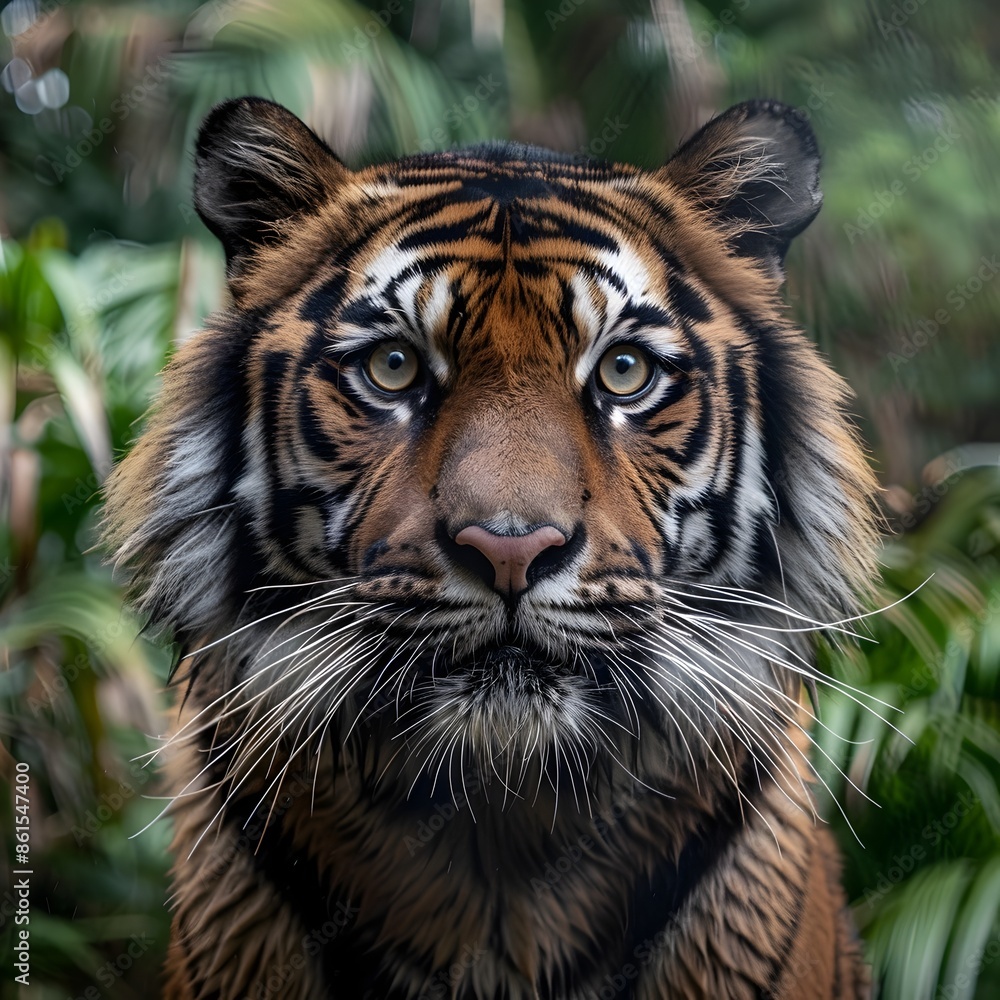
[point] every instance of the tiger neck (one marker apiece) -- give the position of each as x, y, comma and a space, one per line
523, 889
515, 883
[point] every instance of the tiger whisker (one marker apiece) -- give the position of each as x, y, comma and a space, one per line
736, 673
717, 642
236, 705
729, 771
623, 661
753, 741
257, 732
804, 670
299, 608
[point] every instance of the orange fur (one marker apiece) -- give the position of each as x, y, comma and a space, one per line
396, 777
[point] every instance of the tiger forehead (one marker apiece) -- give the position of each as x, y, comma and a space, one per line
458, 310
505, 172
480, 264
508, 205
461, 255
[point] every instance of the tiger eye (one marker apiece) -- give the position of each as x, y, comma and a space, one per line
624, 370
392, 366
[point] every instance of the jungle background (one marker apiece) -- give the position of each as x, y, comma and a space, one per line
104, 268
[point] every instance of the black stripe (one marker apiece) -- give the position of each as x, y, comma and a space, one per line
720, 505
656, 903
347, 966
448, 232
778, 389
322, 304
272, 381
686, 301
779, 964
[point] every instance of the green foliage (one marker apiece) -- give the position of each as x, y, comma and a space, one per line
919, 745
79, 687
104, 266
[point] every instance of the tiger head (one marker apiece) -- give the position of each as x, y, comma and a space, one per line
501, 457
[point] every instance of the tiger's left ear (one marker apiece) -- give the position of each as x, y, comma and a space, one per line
257, 167
756, 169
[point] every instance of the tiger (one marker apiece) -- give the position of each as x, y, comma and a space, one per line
496, 519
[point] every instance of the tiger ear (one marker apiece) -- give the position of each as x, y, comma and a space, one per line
755, 168
256, 167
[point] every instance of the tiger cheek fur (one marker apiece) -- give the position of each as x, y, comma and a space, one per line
493, 520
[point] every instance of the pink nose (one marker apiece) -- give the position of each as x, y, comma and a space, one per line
511, 555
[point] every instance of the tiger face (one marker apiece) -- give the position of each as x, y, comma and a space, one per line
534, 433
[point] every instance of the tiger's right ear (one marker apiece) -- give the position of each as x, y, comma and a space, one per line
755, 169
256, 167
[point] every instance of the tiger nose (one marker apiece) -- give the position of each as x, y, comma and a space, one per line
510, 555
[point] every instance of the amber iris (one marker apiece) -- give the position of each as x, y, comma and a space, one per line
624, 370
392, 366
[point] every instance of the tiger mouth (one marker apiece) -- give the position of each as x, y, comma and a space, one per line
504, 674
503, 662
506, 698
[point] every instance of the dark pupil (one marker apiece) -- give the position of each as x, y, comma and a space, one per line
395, 359
623, 363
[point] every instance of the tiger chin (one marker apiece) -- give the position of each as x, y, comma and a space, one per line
496, 518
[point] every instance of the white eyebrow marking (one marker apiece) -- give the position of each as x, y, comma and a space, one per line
386, 267
406, 320
435, 317
600, 333
588, 322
